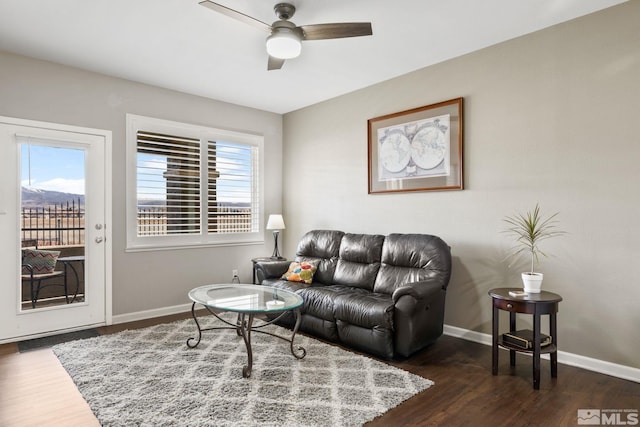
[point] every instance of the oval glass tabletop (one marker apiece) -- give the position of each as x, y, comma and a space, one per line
245, 298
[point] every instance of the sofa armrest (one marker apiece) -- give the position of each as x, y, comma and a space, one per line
271, 269
418, 315
418, 290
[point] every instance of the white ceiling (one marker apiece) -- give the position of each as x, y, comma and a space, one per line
180, 45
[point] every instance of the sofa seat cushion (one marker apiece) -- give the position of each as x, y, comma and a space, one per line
286, 285
365, 309
319, 301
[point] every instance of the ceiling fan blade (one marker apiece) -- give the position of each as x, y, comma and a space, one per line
236, 15
336, 31
274, 63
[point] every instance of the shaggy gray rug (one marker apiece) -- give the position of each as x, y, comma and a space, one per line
149, 377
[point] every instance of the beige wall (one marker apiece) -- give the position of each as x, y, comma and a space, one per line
550, 117
38, 90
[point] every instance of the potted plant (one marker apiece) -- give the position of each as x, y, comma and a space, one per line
529, 229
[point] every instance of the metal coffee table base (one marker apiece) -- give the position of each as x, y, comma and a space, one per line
244, 326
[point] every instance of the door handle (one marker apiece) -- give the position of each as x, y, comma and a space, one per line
99, 239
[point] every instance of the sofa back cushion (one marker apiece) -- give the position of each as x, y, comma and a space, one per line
359, 260
410, 258
322, 246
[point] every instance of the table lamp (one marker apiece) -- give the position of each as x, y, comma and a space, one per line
275, 223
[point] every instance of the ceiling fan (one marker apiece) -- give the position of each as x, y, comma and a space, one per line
285, 39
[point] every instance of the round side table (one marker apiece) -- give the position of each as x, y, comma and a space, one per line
536, 305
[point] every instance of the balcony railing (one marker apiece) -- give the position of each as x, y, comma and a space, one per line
155, 221
55, 225
64, 224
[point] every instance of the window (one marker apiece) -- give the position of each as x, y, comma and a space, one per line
190, 185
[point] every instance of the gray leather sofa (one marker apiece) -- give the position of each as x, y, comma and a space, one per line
383, 295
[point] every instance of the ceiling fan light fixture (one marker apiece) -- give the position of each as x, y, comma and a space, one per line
285, 41
284, 44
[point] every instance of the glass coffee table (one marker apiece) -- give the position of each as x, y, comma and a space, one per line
247, 301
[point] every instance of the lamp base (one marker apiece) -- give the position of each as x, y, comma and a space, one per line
276, 253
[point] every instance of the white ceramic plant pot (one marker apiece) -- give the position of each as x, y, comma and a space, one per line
532, 282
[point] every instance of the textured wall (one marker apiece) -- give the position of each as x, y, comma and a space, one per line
551, 117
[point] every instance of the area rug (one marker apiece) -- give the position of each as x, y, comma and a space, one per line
149, 377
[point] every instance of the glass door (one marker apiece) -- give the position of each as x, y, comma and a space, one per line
52, 224
54, 214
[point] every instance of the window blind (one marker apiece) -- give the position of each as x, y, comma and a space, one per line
170, 183
232, 194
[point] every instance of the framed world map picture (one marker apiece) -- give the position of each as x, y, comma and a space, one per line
417, 150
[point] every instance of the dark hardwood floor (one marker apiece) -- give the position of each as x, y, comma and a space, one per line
465, 393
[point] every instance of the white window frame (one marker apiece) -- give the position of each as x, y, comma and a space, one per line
135, 243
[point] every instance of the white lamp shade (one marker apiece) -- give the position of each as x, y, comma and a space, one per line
284, 45
275, 222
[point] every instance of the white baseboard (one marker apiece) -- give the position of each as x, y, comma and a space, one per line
588, 363
150, 314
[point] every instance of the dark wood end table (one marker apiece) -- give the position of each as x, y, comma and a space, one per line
536, 305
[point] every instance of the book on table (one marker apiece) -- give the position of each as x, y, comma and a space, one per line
524, 339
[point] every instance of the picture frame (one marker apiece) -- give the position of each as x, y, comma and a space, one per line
417, 150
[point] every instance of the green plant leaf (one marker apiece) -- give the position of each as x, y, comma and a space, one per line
529, 229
